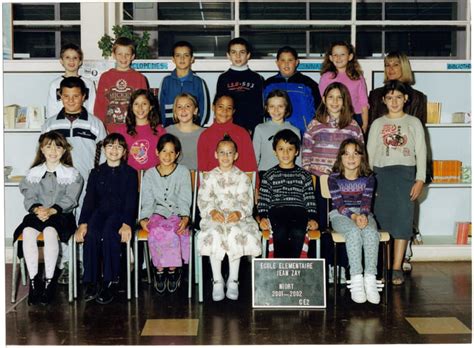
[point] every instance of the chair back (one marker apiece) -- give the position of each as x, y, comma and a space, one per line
324, 186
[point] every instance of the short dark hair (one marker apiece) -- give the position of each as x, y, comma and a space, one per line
124, 41
287, 49
239, 41
169, 138
227, 139
288, 136
115, 137
222, 95
394, 85
71, 46
183, 44
73, 82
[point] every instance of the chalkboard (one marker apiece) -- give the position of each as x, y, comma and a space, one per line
292, 283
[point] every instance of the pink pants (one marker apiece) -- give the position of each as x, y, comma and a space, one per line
166, 247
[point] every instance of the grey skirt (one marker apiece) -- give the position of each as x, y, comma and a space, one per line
393, 209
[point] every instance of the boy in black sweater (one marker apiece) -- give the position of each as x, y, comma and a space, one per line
244, 85
287, 199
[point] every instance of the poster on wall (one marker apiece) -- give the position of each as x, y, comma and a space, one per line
92, 69
7, 31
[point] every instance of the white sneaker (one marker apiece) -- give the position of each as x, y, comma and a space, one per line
341, 274
331, 274
371, 290
357, 289
232, 292
218, 290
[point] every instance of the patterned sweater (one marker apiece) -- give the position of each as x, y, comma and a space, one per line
287, 187
348, 194
321, 144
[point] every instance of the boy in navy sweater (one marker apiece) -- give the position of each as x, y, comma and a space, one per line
243, 85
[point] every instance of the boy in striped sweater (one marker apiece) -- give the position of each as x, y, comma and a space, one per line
287, 201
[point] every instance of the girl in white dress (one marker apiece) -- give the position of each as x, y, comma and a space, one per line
225, 200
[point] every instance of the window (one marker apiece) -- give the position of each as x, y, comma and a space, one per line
40, 29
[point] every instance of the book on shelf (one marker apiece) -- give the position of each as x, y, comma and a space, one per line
23, 117
463, 231
447, 171
433, 112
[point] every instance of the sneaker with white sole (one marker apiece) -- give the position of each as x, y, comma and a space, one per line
64, 275
232, 292
218, 290
371, 290
357, 289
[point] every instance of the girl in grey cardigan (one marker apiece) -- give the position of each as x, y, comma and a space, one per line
51, 189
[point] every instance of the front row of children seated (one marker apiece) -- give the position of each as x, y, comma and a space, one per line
225, 200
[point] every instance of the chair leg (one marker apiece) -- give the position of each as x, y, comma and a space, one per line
190, 266
386, 262
318, 248
147, 261
129, 283
264, 248
137, 264
336, 276
201, 297
75, 278
23, 271
72, 273
15, 250
196, 259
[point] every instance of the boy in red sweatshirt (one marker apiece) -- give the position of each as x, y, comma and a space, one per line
117, 85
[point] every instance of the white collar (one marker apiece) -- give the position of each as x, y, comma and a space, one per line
64, 175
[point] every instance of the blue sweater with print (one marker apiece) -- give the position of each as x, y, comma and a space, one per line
172, 85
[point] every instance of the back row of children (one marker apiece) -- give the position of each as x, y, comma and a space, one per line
336, 111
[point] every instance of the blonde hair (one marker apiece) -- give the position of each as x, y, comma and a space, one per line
407, 73
192, 99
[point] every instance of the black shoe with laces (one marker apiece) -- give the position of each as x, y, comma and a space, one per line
91, 292
174, 279
107, 293
36, 289
48, 292
160, 282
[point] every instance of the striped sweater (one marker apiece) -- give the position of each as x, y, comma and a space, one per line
287, 188
321, 143
348, 194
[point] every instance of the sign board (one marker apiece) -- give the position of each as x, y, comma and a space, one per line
288, 283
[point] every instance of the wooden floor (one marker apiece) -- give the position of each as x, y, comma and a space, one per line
434, 306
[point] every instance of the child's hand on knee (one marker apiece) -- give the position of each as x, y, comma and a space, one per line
81, 233
234, 216
312, 225
217, 216
125, 232
182, 225
264, 224
144, 224
361, 221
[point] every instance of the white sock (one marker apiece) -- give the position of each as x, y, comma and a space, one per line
234, 269
51, 251
30, 250
216, 266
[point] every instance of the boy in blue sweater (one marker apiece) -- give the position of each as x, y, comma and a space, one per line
303, 91
243, 85
182, 80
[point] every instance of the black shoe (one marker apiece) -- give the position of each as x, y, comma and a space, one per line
160, 282
36, 289
91, 292
107, 293
48, 292
174, 279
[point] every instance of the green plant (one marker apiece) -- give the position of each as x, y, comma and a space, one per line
141, 42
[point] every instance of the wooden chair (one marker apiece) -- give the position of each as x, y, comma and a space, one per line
198, 256
338, 238
313, 235
40, 241
142, 236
